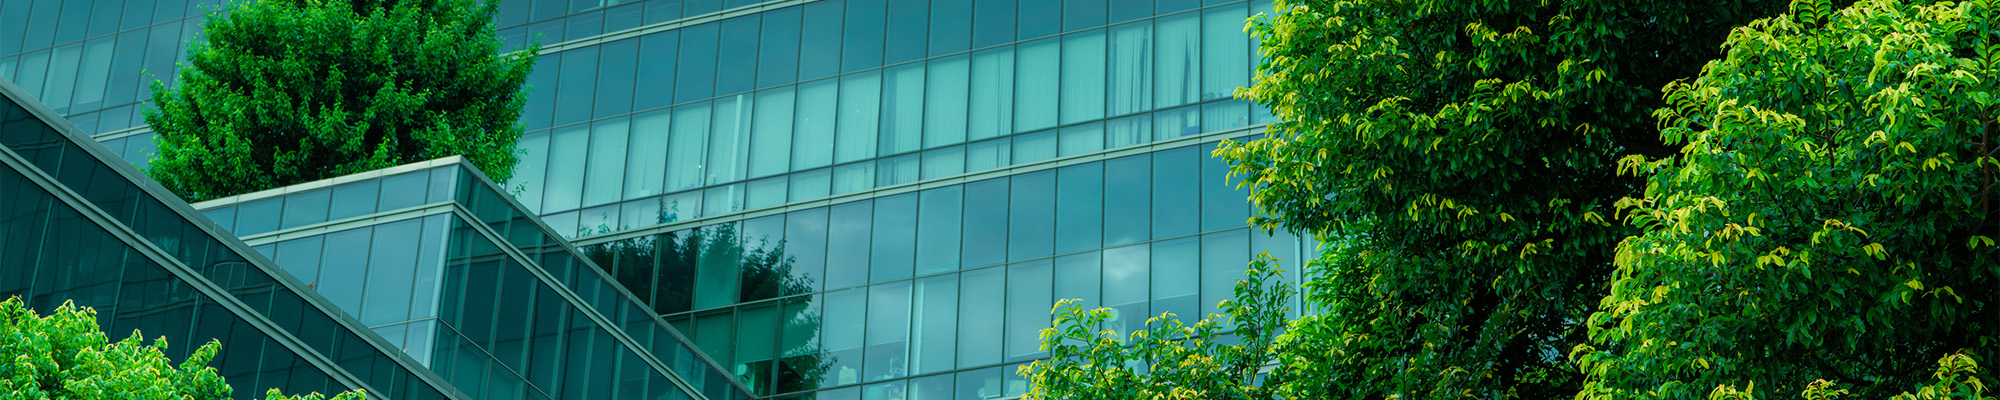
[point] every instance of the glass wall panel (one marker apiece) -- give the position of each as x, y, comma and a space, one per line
1082, 139
993, 22
992, 102
657, 53
1034, 147
573, 93
722, 200
1226, 60
1125, 288
1128, 131
801, 344
906, 25
528, 176
646, 157
1079, 207
392, 267
716, 271
605, 182
1080, 14
854, 177
847, 244
895, 239
62, 76
301, 258
1184, 121
1032, 217
985, 223
951, 26
1176, 194
812, 184
756, 343
863, 26
981, 292
1035, 94
978, 384
939, 214
1224, 257
771, 135
1083, 75
1127, 199
1130, 76
1029, 294
945, 109
695, 77
842, 333
1222, 115
820, 43
729, 139
736, 69
888, 331
860, 105
903, 109
344, 269
1177, 44
686, 151
935, 314
616, 74
1078, 276
1039, 18
1175, 263
259, 216
567, 147
813, 143
988, 154
1223, 205
778, 54
805, 242
944, 162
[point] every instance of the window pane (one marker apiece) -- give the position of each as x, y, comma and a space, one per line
1082, 139
722, 199
906, 30
606, 179
1127, 199
566, 148
903, 109
1176, 195
1223, 205
1029, 295
985, 223
938, 226
1178, 46
1174, 261
1083, 77
685, 154
301, 258
1079, 207
615, 77
1077, 277
766, 192
1131, 72
715, 275
820, 44
755, 342
863, 36
935, 318
1032, 218
1080, 14
1226, 64
1224, 256
534, 147
1035, 92
944, 162
259, 216
729, 139
847, 244
573, 94
736, 69
354, 199
345, 267
1039, 18
854, 177
979, 329
812, 184
888, 331
1184, 121
771, 135
1129, 131
992, 93
843, 329
657, 53
813, 146
1125, 284
1224, 115
778, 55
392, 265
951, 26
695, 78
646, 158
988, 155
896, 170
306, 208
860, 96
945, 112
895, 238
1035, 147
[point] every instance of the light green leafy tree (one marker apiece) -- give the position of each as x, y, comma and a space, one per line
281, 92
1832, 215
63, 356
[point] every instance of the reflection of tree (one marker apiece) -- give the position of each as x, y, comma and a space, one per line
667, 268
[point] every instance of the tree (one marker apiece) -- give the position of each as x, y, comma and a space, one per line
281, 92
1458, 157
1832, 215
64, 356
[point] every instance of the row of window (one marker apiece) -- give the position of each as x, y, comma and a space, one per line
109, 73
27, 25
335, 203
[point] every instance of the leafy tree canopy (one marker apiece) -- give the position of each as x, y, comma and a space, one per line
1831, 216
64, 356
288, 91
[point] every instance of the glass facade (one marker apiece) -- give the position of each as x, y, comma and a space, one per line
866, 199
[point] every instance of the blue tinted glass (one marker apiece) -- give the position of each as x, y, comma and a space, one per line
615, 77
1035, 147
934, 318
951, 26
567, 147
1077, 277
605, 181
1225, 50
944, 162
1127, 10
657, 53
860, 97
699, 7
695, 78
939, 215
805, 241
346, 263
1177, 46
1223, 115
888, 331
301, 258
771, 134
573, 94
820, 43
1082, 139
847, 244
985, 223
1079, 207
1029, 294
646, 154
778, 54
1176, 196
813, 141
1031, 221
1125, 288
354, 199
541, 86
528, 174
1223, 205
1177, 262
584, 25
728, 142
987, 155
906, 38
902, 109
404, 191
1130, 76
1224, 256
982, 294
1083, 77
1035, 94
842, 331
1039, 18
945, 110
686, 151
1080, 14
392, 264
993, 22
717, 269
992, 88
1127, 200
736, 69
895, 237
1184, 121
258, 216
1169, 6
658, 11
863, 28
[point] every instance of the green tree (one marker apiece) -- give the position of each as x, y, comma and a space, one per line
64, 356
1832, 215
281, 92
1458, 157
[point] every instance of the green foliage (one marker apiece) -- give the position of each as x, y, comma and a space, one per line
64, 356
1831, 215
288, 91
1168, 359
1459, 157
